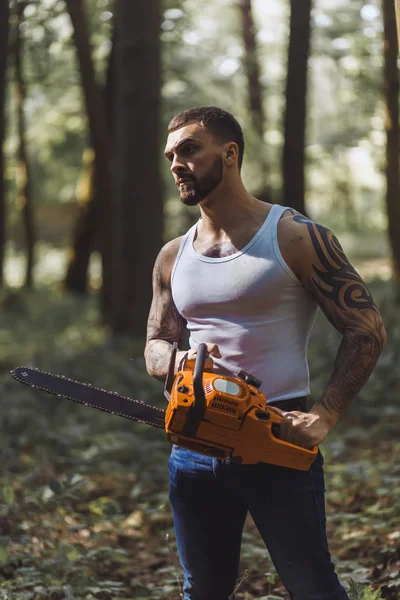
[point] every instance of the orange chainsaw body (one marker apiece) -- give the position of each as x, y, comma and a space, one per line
233, 421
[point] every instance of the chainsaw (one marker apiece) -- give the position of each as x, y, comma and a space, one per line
219, 416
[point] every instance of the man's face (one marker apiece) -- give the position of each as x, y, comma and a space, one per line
196, 162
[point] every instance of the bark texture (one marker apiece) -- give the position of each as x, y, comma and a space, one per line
87, 226
397, 6
100, 138
255, 92
138, 224
4, 26
296, 104
391, 95
84, 235
24, 183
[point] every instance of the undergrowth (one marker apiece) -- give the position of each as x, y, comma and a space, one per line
84, 510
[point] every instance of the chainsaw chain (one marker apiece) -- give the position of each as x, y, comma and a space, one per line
20, 372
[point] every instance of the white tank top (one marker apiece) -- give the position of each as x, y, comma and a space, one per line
253, 306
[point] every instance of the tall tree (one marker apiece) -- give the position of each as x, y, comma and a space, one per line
391, 94
138, 226
86, 230
100, 138
397, 5
4, 23
255, 92
24, 180
296, 103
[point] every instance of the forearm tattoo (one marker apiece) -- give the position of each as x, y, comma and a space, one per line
164, 327
355, 360
348, 304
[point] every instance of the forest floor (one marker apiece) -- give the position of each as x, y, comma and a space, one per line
84, 510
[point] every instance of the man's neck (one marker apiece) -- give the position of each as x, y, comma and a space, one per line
229, 209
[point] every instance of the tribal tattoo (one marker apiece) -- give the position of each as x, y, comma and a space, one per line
339, 289
340, 281
355, 360
164, 327
348, 304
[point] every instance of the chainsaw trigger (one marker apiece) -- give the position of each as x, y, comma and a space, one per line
276, 430
262, 415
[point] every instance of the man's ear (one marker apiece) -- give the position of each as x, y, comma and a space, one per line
231, 154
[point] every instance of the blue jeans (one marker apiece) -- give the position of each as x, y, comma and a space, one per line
210, 499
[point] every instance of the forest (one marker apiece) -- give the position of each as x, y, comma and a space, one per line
87, 89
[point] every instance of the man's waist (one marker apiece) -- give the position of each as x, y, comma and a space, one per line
291, 404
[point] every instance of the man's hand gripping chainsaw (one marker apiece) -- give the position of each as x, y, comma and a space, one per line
211, 414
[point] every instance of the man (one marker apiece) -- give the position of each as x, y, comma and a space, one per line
247, 280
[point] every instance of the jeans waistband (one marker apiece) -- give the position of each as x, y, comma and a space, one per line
291, 404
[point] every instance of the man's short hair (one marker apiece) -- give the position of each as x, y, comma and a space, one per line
221, 124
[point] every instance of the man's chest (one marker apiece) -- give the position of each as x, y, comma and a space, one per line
221, 248
242, 285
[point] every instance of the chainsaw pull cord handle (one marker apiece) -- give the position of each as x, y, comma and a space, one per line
198, 408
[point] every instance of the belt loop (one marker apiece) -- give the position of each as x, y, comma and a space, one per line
214, 465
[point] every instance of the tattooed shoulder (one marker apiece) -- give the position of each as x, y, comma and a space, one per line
164, 320
164, 263
318, 259
332, 273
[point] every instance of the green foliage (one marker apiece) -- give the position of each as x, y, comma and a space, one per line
55, 114
360, 592
202, 56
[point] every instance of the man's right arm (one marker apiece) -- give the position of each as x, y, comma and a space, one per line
165, 325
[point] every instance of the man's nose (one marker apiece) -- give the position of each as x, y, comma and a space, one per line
177, 166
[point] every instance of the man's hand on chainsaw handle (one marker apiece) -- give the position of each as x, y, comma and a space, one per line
182, 358
303, 429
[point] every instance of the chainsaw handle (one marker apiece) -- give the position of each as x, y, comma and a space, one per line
277, 411
199, 397
199, 406
199, 367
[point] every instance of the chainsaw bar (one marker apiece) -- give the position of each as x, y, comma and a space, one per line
88, 395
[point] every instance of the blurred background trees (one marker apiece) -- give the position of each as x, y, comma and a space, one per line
101, 177
4, 26
138, 200
23, 179
293, 165
255, 92
89, 95
392, 125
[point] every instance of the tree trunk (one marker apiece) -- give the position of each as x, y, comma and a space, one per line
397, 5
24, 197
86, 233
139, 219
296, 103
255, 93
391, 93
4, 24
76, 279
100, 139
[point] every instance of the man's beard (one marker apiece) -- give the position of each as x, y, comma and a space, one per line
197, 189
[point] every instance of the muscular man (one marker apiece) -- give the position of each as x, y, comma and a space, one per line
247, 280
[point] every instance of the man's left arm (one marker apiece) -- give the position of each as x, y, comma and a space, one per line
317, 259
